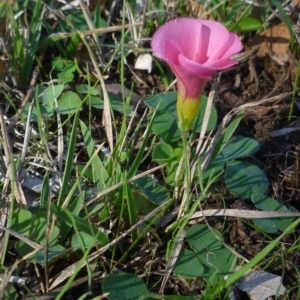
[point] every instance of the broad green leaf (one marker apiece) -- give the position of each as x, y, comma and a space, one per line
213, 172
165, 123
21, 221
69, 103
266, 203
155, 194
245, 179
65, 76
188, 265
152, 296
165, 126
162, 153
39, 227
46, 98
70, 66
87, 89
48, 94
237, 147
80, 223
171, 173
123, 286
55, 252
73, 45
269, 225
214, 256
201, 238
79, 21
248, 24
163, 102
82, 241
116, 103
58, 64
218, 262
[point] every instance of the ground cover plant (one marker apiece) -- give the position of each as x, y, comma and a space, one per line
150, 150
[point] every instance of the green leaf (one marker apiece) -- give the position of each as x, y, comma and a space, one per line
39, 228
48, 94
58, 64
162, 153
21, 221
87, 89
247, 24
267, 225
236, 148
82, 241
201, 238
155, 194
214, 256
69, 103
55, 252
245, 179
165, 122
152, 296
163, 102
218, 262
165, 126
188, 265
81, 224
123, 286
115, 102
171, 173
45, 100
213, 172
270, 225
65, 76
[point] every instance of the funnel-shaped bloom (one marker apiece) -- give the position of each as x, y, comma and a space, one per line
195, 50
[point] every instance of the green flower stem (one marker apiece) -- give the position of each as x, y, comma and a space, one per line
187, 170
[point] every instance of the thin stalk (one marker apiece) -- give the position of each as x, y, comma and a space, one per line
187, 170
295, 88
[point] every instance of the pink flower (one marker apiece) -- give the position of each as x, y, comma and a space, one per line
195, 50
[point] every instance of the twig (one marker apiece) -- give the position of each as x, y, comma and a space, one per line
19, 195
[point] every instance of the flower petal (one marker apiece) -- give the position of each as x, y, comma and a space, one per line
185, 32
195, 50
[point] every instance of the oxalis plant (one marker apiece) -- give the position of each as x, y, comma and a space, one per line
195, 155
195, 50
